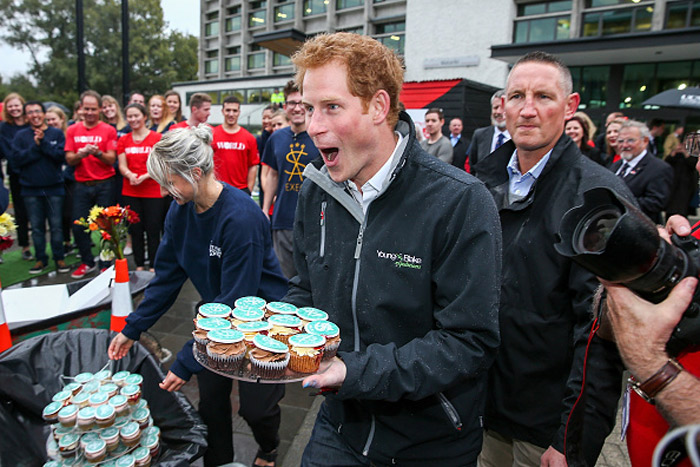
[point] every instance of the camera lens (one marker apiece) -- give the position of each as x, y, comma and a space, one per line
595, 230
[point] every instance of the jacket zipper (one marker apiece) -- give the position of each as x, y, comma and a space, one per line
365, 450
450, 411
322, 249
355, 281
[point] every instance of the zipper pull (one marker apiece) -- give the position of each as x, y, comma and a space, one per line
358, 247
323, 213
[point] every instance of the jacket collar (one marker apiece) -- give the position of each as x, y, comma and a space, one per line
317, 171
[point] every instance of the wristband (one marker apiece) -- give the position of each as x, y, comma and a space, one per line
658, 381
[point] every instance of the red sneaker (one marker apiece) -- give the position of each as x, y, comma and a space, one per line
82, 270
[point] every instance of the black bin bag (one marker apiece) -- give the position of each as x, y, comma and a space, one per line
30, 376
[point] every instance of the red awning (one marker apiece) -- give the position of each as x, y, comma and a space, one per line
419, 95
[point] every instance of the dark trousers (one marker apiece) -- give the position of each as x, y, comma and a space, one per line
259, 407
42, 209
84, 198
152, 212
69, 186
21, 216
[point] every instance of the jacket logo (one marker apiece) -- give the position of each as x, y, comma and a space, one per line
401, 260
214, 250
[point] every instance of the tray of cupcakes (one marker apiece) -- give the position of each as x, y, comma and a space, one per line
101, 419
264, 342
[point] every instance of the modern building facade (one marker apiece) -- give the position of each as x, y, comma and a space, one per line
620, 52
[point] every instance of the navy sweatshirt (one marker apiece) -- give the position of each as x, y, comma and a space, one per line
39, 166
7, 134
225, 251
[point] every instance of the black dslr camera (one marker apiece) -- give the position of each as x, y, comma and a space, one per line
614, 240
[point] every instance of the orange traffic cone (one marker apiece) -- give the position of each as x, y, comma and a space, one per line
121, 296
5, 338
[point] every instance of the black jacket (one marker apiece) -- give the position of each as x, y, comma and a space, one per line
650, 182
413, 286
459, 152
545, 300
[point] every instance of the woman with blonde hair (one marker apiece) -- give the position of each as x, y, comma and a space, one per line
57, 118
111, 113
159, 118
15, 120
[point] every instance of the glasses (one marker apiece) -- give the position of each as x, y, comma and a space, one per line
627, 141
32, 112
293, 104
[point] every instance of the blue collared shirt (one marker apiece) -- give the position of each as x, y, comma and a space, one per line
519, 184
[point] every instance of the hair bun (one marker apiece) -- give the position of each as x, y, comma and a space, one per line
203, 132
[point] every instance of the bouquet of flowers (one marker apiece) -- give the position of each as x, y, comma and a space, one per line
7, 227
113, 225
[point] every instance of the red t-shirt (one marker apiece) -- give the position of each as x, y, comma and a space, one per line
647, 426
183, 124
103, 136
234, 154
136, 157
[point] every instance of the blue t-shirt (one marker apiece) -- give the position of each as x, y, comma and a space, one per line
288, 154
226, 252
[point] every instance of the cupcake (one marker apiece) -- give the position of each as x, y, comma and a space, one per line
203, 326
142, 417
74, 388
110, 389
83, 378
141, 404
121, 421
91, 387
279, 308
130, 434
68, 415
241, 315
152, 443
86, 418
225, 349
88, 438
142, 457
134, 379
284, 326
126, 461
119, 403
68, 445
62, 396
328, 330
249, 302
132, 393
152, 430
103, 376
60, 431
97, 399
252, 329
214, 310
119, 377
96, 451
82, 399
50, 412
105, 416
52, 449
308, 314
269, 358
306, 352
111, 438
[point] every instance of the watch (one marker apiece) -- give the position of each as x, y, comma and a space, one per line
659, 380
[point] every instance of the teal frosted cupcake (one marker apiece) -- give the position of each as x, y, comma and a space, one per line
328, 330
126, 461
86, 418
105, 416
225, 349
96, 451
68, 445
269, 358
214, 310
203, 326
279, 308
251, 329
130, 434
142, 417
242, 315
111, 437
132, 393
62, 396
103, 376
119, 403
249, 302
142, 457
83, 378
68, 415
306, 352
309, 314
119, 377
134, 378
50, 412
74, 388
284, 326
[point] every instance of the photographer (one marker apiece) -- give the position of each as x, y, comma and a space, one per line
641, 331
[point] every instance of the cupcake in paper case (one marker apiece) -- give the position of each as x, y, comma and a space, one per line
91, 386
74, 388
62, 396
152, 443
126, 461
68, 445
250, 302
279, 308
242, 315
97, 399
308, 314
306, 352
68, 415
84, 378
103, 376
284, 326
120, 404
214, 310
132, 393
142, 404
110, 388
134, 379
328, 330
225, 349
60, 431
141, 416
50, 412
82, 399
203, 326
88, 438
269, 358
111, 438
96, 451
86, 418
119, 378
130, 434
105, 416
152, 430
142, 457
251, 329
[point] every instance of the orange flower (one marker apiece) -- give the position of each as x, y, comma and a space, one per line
92, 226
113, 211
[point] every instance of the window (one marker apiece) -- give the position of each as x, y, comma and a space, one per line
254, 96
258, 16
616, 21
315, 7
232, 64
343, 4
682, 15
234, 10
211, 29
392, 35
211, 66
256, 60
233, 23
643, 80
539, 22
591, 82
212, 54
240, 94
281, 60
354, 30
215, 99
284, 12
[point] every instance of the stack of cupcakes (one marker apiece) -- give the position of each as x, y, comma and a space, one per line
101, 419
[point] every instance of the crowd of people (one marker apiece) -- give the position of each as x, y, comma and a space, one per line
466, 336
